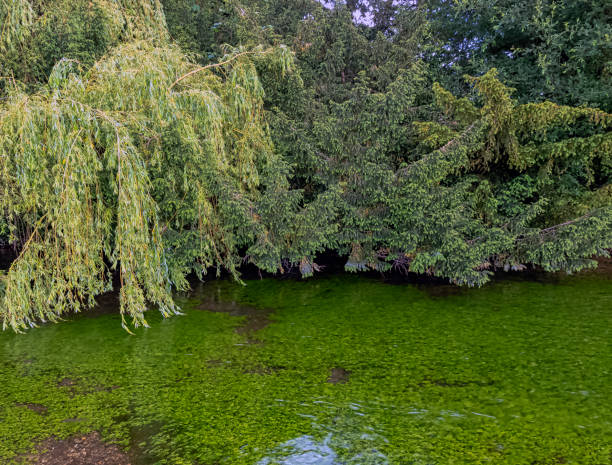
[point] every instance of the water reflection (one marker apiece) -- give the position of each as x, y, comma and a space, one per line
348, 434
306, 450
303, 450
347, 440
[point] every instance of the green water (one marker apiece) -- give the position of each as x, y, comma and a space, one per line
514, 373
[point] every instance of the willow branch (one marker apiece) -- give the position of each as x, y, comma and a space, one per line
212, 65
27, 243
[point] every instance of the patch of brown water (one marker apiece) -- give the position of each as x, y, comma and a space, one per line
78, 450
256, 318
140, 442
69, 384
338, 375
66, 382
263, 370
38, 408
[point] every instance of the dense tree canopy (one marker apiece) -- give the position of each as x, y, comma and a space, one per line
153, 140
547, 50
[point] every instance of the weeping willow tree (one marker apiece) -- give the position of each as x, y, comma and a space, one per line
143, 163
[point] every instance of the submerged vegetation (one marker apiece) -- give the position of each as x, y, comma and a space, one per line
517, 372
152, 140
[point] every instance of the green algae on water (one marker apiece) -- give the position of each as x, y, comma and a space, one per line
514, 373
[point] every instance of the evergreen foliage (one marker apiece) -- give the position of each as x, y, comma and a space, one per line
153, 151
547, 49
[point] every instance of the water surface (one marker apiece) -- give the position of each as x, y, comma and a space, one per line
340, 370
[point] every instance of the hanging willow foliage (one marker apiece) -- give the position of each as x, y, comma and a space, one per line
34, 36
136, 19
94, 163
15, 20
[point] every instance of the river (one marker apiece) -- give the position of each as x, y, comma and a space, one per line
334, 370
